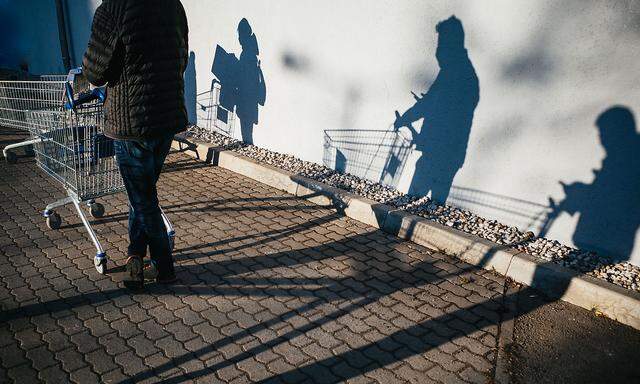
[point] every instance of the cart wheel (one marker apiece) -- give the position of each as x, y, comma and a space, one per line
100, 262
96, 210
54, 221
11, 158
28, 150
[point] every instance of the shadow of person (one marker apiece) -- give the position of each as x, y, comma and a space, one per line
447, 109
190, 94
251, 86
609, 207
241, 80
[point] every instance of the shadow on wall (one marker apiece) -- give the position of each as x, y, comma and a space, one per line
242, 82
190, 94
447, 109
369, 154
609, 207
523, 214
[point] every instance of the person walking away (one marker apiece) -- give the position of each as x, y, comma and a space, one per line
139, 49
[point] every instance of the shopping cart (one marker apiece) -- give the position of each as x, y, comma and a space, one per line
212, 116
17, 97
377, 155
70, 146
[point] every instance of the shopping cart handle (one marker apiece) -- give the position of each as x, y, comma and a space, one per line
84, 97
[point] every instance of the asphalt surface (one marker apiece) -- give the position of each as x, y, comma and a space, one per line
558, 342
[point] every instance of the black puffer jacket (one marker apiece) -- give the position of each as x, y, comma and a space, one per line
140, 48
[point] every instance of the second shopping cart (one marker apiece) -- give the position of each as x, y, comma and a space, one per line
70, 146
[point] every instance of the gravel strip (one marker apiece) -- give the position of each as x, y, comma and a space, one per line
623, 274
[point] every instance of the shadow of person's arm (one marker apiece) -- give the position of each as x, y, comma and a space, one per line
575, 199
576, 196
405, 121
415, 113
262, 87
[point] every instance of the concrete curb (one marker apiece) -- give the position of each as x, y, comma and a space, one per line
550, 278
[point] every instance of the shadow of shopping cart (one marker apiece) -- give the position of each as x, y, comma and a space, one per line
211, 115
377, 155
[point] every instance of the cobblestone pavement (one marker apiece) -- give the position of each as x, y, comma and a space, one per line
272, 289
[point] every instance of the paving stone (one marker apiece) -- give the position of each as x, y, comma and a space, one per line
98, 327
23, 374
115, 376
229, 373
100, 362
171, 347
130, 363
109, 312
85, 312
44, 323
113, 344
57, 340
152, 330
71, 325
270, 285
40, 358
84, 375
136, 313
440, 375
477, 362
126, 329
180, 331
54, 375
29, 338
85, 342
71, 359
444, 360
162, 315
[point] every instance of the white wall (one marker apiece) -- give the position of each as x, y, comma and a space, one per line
547, 69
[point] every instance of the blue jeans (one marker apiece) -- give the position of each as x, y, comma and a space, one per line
140, 163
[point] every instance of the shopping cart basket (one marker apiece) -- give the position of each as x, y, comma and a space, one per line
377, 155
18, 97
70, 146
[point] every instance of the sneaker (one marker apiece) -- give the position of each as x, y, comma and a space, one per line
135, 276
150, 270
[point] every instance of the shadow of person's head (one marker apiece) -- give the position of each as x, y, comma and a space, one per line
450, 40
247, 38
617, 128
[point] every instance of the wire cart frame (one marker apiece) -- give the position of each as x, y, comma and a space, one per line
19, 96
66, 119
